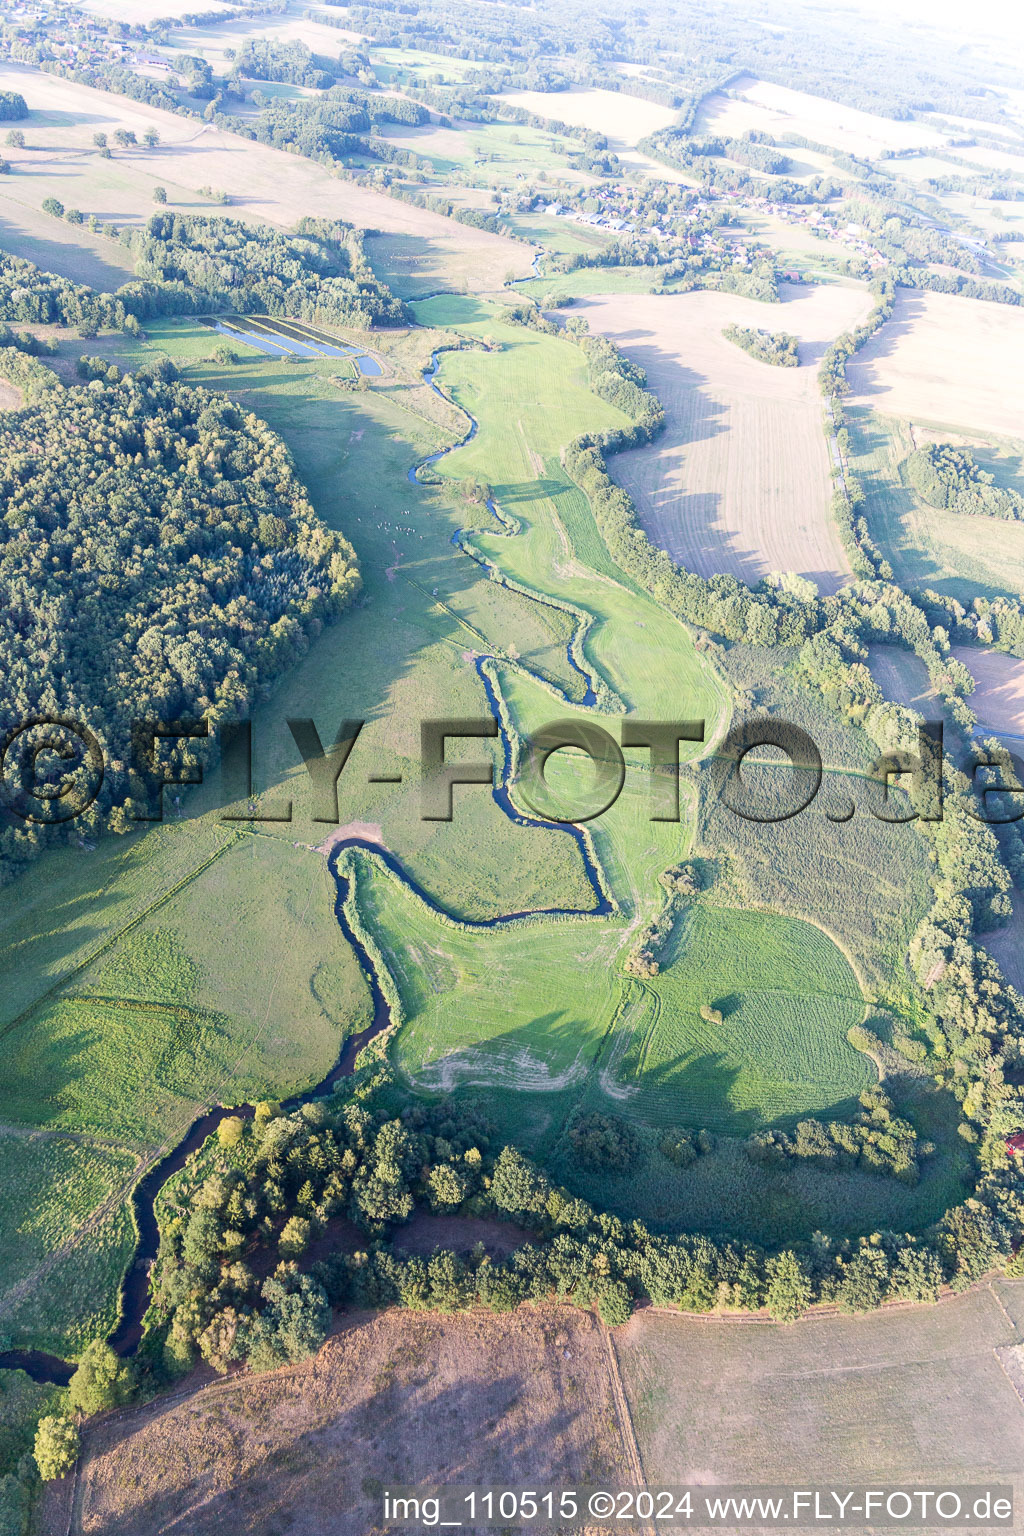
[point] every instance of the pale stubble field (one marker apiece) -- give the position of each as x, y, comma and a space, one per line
739, 481
424, 250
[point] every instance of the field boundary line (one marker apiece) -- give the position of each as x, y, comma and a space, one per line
624, 1416
999, 1303
1015, 1378
83, 965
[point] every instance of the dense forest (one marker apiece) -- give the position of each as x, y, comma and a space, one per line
292, 63
332, 127
189, 263
158, 559
193, 264
951, 478
318, 273
31, 296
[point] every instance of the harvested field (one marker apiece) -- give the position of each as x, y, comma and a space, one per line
624, 120
424, 249
897, 1395
775, 109
998, 697
962, 556
902, 677
1006, 946
235, 31
139, 11
69, 249
403, 1397
946, 360
739, 481
392, 1398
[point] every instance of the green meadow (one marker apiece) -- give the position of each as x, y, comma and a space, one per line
787, 997
201, 961
963, 557
541, 1008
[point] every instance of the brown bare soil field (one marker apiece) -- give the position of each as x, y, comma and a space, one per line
425, 249
739, 481
998, 697
775, 109
624, 120
10, 397
392, 1398
879, 1400
946, 359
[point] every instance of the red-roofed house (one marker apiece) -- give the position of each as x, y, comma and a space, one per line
1015, 1143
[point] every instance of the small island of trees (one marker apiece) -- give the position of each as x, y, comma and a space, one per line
950, 478
775, 347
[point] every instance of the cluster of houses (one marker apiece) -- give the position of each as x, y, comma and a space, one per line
686, 228
825, 225
690, 226
76, 37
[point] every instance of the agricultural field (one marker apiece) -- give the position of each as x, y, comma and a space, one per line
498, 153
998, 697
393, 64
778, 110
624, 120
70, 249
739, 481
903, 677
54, 1185
787, 998
386, 1401
135, 1002
234, 32
892, 1397
945, 361
423, 621
474, 1018
927, 546
116, 1043
423, 250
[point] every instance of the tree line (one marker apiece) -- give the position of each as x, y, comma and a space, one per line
193, 264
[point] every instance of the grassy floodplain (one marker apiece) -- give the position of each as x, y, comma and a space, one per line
202, 960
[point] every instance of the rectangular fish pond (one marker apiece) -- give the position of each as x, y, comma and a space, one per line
290, 338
